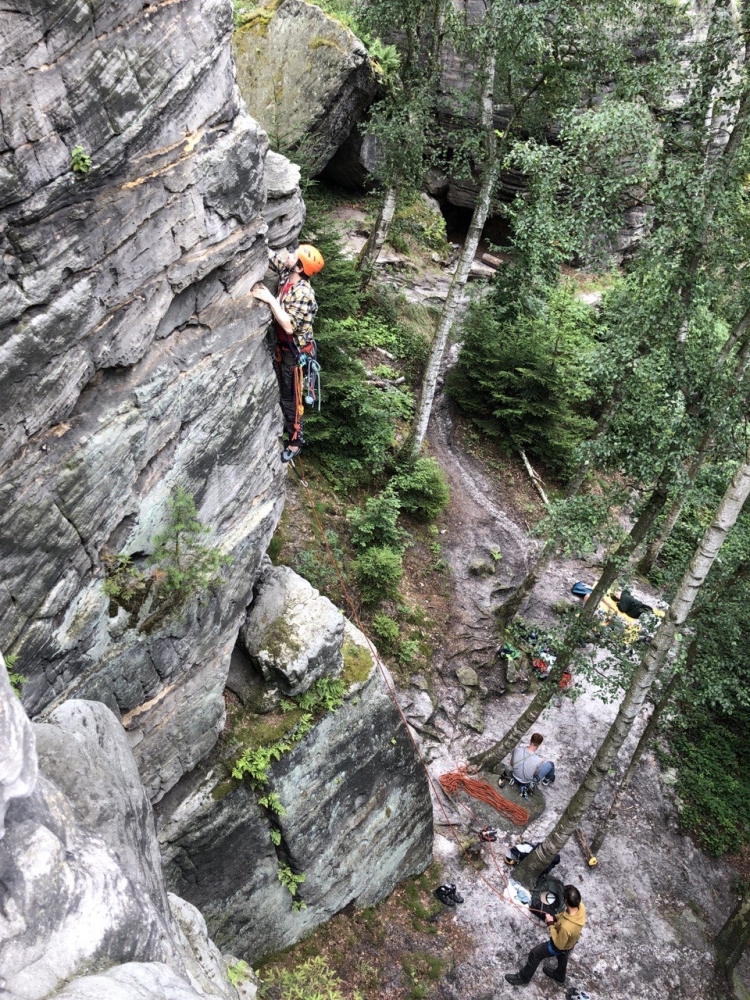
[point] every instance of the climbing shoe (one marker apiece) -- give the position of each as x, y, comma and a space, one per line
457, 898
547, 781
552, 973
515, 980
445, 894
290, 452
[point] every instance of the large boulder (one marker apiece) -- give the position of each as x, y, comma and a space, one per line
133, 357
80, 872
305, 77
357, 815
292, 633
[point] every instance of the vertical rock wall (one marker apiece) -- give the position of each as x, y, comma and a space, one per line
132, 357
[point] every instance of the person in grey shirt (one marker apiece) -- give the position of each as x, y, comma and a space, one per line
527, 764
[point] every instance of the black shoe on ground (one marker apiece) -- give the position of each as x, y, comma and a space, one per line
553, 975
515, 980
445, 895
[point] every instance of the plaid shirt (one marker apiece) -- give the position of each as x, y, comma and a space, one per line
298, 302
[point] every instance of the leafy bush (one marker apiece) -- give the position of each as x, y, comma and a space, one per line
422, 489
375, 524
379, 571
312, 980
386, 629
525, 379
709, 753
80, 161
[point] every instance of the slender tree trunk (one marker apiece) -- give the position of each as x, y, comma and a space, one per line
648, 732
371, 250
645, 673
733, 938
490, 174
575, 634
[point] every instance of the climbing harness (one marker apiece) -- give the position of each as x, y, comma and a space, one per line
310, 370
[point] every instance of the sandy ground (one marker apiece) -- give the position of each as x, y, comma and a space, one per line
654, 901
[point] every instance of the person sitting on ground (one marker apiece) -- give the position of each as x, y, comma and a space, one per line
528, 766
294, 311
564, 932
630, 605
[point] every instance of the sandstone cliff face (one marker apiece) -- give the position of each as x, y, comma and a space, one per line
80, 873
305, 77
358, 814
132, 357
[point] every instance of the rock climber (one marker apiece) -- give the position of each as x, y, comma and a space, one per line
630, 605
564, 932
528, 766
293, 310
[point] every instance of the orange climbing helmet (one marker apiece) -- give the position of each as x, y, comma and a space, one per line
310, 258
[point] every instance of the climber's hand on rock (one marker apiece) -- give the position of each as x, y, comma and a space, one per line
261, 293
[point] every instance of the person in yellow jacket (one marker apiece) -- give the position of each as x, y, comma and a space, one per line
564, 931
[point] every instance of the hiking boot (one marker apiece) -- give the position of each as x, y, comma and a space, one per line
445, 894
547, 781
515, 980
454, 895
552, 973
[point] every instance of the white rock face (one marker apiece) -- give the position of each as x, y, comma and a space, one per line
18, 762
80, 874
292, 633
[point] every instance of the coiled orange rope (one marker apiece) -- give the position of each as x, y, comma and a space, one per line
451, 781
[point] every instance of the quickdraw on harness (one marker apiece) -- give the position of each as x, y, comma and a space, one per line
310, 371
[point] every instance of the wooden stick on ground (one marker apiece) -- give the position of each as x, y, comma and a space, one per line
535, 478
585, 849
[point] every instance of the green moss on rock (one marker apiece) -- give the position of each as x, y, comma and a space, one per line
357, 664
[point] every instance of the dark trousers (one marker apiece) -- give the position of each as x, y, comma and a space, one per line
290, 395
545, 950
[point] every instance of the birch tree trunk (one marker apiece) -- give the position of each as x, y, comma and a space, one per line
490, 174
733, 937
371, 250
648, 732
645, 673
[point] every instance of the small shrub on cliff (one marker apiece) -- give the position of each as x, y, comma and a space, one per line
183, 566
80, 161
16, 679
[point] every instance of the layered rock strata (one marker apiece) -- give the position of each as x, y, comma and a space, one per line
357, 812
132, 355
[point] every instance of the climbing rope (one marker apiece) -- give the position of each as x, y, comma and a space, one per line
391, 691
460, 778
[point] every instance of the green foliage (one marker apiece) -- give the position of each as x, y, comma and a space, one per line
311, 980
16, 679
407, 652
80, 160
379, 571
422, 489
526, 379
185, 564
375, 523
275, 836
354, 433
710, 754
414, 219
385, 629
386, 58
291, 880
582, 523
325, 695
238, 973
272, 802
182, 566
